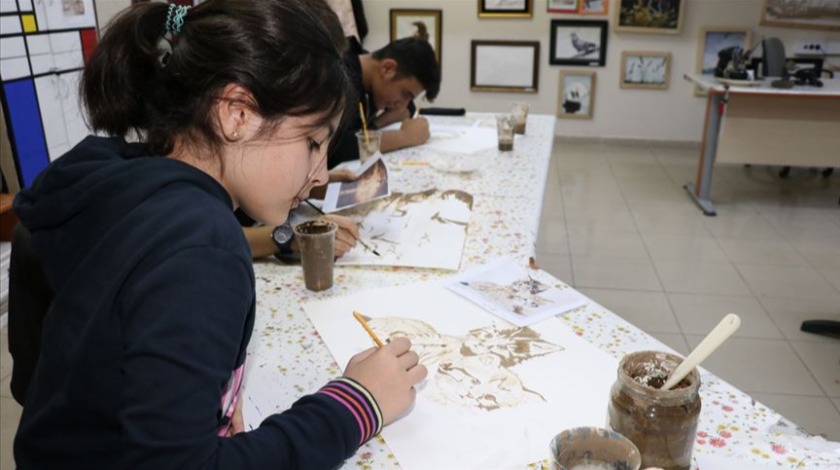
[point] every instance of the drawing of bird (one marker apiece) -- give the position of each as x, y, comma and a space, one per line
422, 32
583, 47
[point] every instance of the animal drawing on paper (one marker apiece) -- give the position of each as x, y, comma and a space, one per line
475, 370
406, 224
521, 297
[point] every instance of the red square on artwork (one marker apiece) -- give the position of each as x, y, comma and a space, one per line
89, 41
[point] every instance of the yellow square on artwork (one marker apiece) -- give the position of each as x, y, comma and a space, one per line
29, 25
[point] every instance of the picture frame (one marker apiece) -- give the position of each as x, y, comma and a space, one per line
645, 70
712, 40
807, 14
505, 66
576, 97
594, 7
505, 8
562, 6
578, 42
664, 18
422, 23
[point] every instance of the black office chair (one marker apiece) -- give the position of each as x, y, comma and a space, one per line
30, 298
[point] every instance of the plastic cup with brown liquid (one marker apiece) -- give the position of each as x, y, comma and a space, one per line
316, 239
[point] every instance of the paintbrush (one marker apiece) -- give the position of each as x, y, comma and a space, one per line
365, 245
373, 336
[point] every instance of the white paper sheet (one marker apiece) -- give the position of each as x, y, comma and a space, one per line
519, 295
460, 139
496, 394
372, 184
424, 230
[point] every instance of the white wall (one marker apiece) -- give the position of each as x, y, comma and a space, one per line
670, 115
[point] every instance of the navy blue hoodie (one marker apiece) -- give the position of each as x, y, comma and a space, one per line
153, 311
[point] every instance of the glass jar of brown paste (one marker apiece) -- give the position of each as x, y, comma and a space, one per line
661, 423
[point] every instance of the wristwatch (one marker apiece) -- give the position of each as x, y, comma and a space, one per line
282, 235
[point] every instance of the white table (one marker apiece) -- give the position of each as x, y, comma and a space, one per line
287, 359
765, 125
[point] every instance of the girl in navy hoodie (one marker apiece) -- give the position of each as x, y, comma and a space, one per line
231, 104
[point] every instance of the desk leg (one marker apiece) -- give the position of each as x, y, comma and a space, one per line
700, 191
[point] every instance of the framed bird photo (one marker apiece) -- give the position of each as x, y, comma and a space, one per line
578, 42
645, 70
594, 7
659, 17
505, 8
576, 99
422, 24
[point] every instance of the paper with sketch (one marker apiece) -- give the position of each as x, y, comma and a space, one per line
372, 183
460, 139
520, 295
424, 230
496, 393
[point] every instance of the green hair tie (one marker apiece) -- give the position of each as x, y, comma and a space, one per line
175, 18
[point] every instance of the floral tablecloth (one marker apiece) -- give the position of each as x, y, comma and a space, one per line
287, 358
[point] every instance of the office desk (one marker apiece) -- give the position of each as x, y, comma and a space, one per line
287, 359
765, 125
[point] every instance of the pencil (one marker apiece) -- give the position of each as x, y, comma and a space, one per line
364, 123
373, 336
415, 163
364, 245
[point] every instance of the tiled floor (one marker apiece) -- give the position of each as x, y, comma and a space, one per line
617, 225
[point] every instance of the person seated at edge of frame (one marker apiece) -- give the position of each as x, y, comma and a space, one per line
387, 82
144, 346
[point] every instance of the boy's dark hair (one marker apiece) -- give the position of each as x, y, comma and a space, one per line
285, 52
415, 58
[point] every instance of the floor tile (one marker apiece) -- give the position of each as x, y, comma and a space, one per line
620, 220
760, 365
831, 275
649, 311
699, 314
552, 237
748, 226
816, 415
559, 266
764, 252
823, 360
836, 402
613, 272
583, 242
662, 222
820, 254
683, 247
698, 277
9, 418
674, 341
787, 282
788, 314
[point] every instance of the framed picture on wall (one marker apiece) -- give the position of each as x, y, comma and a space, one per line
505, 66
712, 40
578, 42
577, 94
562, 6
645, 70
805, 14
594, 7
661, 16
422, 24
505, 8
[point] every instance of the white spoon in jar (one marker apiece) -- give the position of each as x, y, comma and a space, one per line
710, 343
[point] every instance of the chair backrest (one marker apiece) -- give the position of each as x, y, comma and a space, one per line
30, 298
773, 55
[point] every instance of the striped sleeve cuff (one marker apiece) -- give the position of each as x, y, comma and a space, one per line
361, 404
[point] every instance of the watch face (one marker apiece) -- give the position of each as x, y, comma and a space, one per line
282, 234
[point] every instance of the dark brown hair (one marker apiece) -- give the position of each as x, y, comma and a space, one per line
415, 58
285, 52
